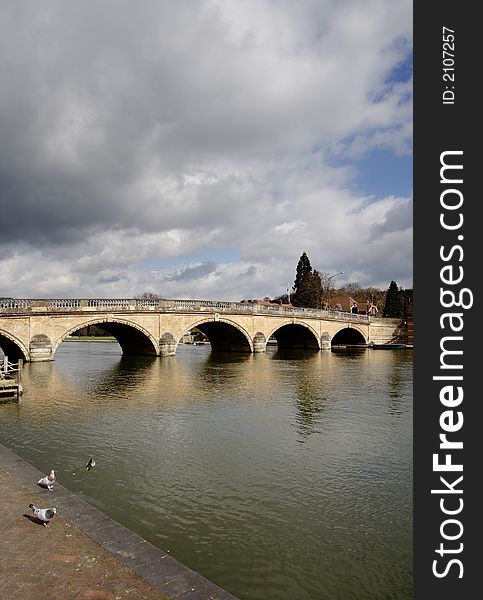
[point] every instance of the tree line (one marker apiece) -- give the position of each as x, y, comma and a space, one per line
313, 289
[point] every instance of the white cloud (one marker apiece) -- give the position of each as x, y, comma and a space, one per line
139, 136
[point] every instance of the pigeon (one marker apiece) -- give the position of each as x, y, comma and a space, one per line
90, 463
47, 481
43, 514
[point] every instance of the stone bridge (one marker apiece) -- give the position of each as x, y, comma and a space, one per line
33, 329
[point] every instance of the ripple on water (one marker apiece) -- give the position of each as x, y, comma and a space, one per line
274, 477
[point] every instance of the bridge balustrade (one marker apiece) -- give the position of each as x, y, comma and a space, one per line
8, 303
215, 304
337, 315
66, 303
141, 303
197, 304
12, 305
186, 304
109, 303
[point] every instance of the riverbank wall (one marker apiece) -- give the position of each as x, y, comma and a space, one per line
83, 553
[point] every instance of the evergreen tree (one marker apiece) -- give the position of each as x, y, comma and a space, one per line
307, 285
303, 267
393, 306
316, 290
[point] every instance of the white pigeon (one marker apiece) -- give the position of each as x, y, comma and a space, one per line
90, 463
43, 514
47, 481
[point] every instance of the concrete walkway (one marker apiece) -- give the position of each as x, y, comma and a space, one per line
83, 554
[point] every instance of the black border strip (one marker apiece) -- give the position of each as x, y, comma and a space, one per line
446, 119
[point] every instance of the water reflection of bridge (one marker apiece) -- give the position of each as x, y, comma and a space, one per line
33, 329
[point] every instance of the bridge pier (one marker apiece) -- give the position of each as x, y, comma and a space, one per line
325, 343
259, 342
40, 348
167, 345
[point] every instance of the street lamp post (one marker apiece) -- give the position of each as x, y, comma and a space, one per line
328, 284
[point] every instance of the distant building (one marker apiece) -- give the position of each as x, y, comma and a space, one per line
267, 303
270, 303
340, 301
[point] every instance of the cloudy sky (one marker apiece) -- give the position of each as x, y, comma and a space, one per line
195, 149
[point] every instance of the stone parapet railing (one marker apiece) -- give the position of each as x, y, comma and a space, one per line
11, 306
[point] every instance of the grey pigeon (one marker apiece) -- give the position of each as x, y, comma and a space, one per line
47, 481
90, 463
43, 514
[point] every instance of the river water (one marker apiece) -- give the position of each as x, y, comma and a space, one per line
277, 476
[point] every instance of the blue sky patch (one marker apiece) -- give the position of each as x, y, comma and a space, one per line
381, 173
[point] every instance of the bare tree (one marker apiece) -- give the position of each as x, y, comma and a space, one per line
375, 297
147, 296
352, 288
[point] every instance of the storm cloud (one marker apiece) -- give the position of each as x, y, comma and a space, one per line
196, 148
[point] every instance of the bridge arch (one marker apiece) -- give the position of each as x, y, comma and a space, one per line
133, 339
12, 347
296, 335
224, 335
349, 335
